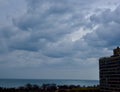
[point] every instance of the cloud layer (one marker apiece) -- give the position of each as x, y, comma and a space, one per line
57, 39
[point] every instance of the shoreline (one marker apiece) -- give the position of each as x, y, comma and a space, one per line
21, 82
51, 88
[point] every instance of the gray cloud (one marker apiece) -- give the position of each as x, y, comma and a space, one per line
58, 36
107, 32
47, 23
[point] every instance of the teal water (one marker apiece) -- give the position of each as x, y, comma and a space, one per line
21, 82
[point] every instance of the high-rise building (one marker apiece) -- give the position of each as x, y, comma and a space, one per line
109, 68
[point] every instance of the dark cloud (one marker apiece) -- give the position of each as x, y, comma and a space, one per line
47, 23
107, 32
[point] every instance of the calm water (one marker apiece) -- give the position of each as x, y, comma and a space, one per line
21, 82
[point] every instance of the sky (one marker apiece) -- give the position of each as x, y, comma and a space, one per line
57, 39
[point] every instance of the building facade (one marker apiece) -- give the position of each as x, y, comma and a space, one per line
109, 68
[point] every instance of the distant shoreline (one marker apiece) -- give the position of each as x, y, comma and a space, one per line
21, 82
44, 79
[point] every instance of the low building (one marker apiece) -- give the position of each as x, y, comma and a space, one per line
109, 68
